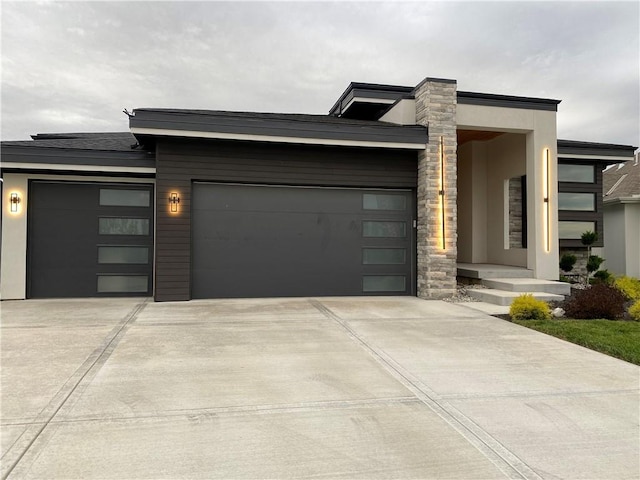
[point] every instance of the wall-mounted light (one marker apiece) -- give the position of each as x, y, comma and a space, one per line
14, 202
546, 189
174, 200
441, 191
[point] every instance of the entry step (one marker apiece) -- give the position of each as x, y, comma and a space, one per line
504, 297
523, 285
487, 270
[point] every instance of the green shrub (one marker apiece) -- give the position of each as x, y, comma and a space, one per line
567, 262
588, 238
527, 307
597, 301
603, 276
630, 286
634, 311
593, 263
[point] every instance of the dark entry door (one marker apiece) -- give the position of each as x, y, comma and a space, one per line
88, 240
273, 241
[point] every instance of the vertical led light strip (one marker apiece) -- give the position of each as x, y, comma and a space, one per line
441, 192
546, 174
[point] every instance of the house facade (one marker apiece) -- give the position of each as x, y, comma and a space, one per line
621, 212
385, 195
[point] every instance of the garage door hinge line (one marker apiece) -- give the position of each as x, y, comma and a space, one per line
503, 458
73, 387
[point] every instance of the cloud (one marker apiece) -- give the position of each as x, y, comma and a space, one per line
74, 66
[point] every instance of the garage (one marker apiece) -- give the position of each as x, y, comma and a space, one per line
271, 241
89, 239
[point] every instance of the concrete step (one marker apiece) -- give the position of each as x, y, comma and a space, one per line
503, 297
528, 285
485, 270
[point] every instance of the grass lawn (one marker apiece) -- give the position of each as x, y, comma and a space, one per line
616, 338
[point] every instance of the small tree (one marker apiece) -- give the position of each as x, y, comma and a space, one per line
588, 238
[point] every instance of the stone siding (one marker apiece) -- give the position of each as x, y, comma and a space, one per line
436, 269
515, 212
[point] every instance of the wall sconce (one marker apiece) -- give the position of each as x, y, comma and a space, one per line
546, 178
174, 200
441, 191
14, 201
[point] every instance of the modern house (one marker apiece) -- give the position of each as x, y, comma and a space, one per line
389, 193
621, 208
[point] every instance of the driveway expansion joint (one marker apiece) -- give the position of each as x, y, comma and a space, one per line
36, 436
503, 458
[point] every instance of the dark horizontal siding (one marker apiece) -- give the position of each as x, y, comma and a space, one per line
180, 163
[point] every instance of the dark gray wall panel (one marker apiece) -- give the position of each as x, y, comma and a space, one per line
181, 162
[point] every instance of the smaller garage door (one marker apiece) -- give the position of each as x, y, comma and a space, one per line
87, 240
270, 241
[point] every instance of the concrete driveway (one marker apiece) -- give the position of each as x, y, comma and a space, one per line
293, 388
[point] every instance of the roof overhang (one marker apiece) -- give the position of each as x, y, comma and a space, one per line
149, 124
368, 101
604, 153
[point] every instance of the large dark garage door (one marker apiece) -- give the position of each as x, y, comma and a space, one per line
89, 240
262, 241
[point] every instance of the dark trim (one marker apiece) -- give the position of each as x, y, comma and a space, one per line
77, 173
507, 101
68, 156
523, 192
395, 90
278, 125
573, 147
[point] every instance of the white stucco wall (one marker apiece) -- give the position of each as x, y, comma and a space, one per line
13, 267
632, 233
614, 239
402, 113
538, 129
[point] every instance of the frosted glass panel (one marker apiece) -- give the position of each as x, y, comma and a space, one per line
383, 283
383, 201
125, 198
384, 229
383, 256
123, 226
117, 254
123, 283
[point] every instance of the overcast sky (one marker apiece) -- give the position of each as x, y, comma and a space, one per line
73, 67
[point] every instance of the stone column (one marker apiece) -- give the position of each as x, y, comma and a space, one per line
436, 108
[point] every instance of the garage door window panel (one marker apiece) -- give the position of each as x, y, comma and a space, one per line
384, 229
384, 283
384, 201
123, 283
123, 226
125, 198
384, 256
121, 254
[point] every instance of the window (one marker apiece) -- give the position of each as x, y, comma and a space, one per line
123, 283
383, 283
125, 198
123, 226
577, 201
384, 256
576, 173
569, 230
384, 229
123, 254
383, 201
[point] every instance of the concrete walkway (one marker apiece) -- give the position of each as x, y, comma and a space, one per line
295, 388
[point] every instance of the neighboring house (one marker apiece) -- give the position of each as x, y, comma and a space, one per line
385, 195
622, 218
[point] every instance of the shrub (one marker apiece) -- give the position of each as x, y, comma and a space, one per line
527, 307
629, 286
634, 311
593, 263
603, 276
597, 301
588, 238
567, 262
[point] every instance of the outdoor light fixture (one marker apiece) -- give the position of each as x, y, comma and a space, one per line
441, 191
546, 166
15, 201
174, 200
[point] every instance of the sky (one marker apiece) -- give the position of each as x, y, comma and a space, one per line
74, 66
